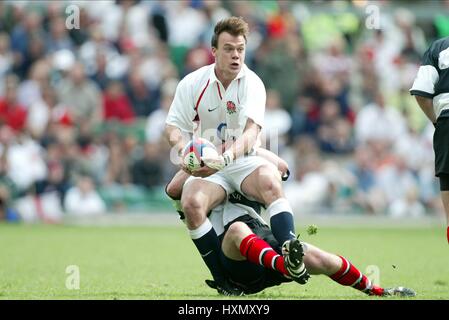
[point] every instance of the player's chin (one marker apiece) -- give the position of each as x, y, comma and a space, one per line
235, 69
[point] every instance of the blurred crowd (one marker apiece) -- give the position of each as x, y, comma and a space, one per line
82, 109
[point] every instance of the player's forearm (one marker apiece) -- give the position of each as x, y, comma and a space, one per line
175, 138
426, 105
245, 143
274, 159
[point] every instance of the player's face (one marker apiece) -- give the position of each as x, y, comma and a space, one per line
230, 54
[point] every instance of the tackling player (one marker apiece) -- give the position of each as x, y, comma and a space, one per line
254, 259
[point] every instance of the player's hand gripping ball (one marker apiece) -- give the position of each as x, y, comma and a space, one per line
195, 149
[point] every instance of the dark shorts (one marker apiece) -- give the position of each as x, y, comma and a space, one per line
441, 146
252, 277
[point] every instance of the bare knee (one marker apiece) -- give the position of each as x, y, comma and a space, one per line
264, 184
269, 185
237, 232
198, 197
194, 211
174, 187
233, 239
173, 190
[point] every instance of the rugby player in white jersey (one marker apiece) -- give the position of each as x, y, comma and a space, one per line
225, 103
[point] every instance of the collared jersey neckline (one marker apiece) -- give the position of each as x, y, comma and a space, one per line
213, 77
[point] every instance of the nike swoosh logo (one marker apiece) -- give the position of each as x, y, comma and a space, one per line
210, 110
206, 254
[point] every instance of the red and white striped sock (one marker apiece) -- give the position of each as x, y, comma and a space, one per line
260, 252
348, 275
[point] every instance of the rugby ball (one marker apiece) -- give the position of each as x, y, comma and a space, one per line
195, 149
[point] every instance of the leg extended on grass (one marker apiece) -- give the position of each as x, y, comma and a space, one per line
343, 272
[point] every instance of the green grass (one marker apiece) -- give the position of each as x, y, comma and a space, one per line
162, 263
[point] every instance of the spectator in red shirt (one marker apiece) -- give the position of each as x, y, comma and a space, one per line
11, 112
116, 104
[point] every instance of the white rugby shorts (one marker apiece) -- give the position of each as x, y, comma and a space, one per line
232, 176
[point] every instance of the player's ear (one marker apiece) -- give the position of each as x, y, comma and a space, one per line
214, 51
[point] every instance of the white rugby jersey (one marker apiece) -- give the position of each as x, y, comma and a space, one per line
202, 106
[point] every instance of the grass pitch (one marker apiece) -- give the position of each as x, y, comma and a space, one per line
162, 263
